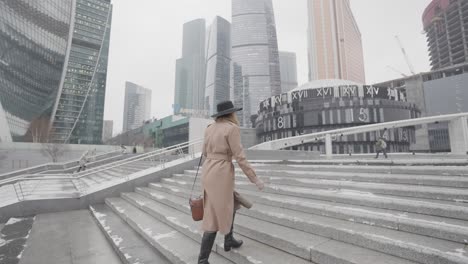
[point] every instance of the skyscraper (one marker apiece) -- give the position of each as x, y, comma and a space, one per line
255, 69
190, 69
218, 63
137, 108
107, 130
334, 39
288, 69
5, 134
53, 63
445, 25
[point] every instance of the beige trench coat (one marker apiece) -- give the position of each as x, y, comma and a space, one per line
222, 144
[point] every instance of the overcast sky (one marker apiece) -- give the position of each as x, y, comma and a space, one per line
146, 40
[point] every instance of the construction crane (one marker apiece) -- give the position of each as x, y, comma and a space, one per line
397, 71
410, 66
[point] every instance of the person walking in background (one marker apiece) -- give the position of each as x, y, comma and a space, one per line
123, 149
83, 161
222, 144
381, 146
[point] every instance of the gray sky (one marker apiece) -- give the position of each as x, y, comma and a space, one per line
146, 40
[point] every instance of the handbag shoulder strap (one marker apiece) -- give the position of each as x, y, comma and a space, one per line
196, 175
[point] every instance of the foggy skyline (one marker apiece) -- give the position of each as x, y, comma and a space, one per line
146, 41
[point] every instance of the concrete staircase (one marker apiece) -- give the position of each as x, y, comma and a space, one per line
115, 173
308, 213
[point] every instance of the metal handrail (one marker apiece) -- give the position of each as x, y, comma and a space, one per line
140, 157
33, 177
16, 179
43, 167
23, 189
159, 152
104, 167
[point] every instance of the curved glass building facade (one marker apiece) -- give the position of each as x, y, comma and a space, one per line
53, 63
256, 68
33, 44
332, 104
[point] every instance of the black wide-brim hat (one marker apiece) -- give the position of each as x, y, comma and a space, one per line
225, 108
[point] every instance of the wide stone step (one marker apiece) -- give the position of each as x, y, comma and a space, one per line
128, 244
395, 159
112, 174
438, 227
416, 170
123, 171
426, 180
428, 192
421, 249
302, 244
137, 166
174, 245
419, 205
252, 252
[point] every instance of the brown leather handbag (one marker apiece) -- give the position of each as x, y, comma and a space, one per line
196, 204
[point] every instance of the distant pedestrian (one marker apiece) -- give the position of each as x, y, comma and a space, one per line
123, 149
381, 146
134, 150
83, 161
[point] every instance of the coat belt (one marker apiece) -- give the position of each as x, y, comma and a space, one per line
215, 156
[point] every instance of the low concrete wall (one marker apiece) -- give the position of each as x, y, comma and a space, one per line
29, 208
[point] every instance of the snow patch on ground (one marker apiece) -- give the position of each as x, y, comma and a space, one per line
14, 221
252, 260
117, 240
167, 235
157, 196
355, 193
140, 203
120, 210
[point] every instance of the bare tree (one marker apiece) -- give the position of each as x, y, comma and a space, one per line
54, 150
39, 132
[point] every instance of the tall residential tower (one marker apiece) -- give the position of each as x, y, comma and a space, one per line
255, 68
446, 26
137, 107
218, 63
53, 68
190, 69
334, 39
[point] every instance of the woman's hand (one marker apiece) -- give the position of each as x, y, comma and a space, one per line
260, 184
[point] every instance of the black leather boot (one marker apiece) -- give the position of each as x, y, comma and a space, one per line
206, 246
229, 240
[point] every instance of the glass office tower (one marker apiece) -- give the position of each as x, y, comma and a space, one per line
256, 70
53, 62
190, 69
218, 63
288, 68
79, 112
